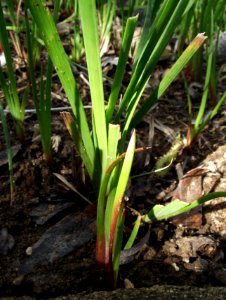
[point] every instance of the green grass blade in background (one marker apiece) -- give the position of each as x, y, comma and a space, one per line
12, 95
7, 52
120, 70
8, 149
107, 11
168, 78
77, 42
219, 13
160, 43
185, 24
15, 27
87, 10
162, 29
132, 120
43, 100
42, 104
211, 116
46, 104
146, 28
72, 128
60, 61
202, 106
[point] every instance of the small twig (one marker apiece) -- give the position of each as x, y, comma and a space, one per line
56, 109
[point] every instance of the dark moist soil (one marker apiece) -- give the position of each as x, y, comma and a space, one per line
47, 238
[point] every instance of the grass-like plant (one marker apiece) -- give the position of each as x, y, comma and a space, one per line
197, 20
209, 88
77, 41
106, 13
8, 82
42, 99
8, 149
195, 127
102, 147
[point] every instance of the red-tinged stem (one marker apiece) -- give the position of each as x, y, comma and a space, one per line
115, 215
111, 278
117, 262
105, 244
48, 159
189, 136
100, 250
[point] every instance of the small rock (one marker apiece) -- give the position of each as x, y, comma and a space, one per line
128, 284
150, 254
6, 241
193, 246
221, 48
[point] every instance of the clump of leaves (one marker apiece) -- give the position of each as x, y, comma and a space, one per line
102, 146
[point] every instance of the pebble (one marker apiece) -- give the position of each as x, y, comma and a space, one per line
7, 241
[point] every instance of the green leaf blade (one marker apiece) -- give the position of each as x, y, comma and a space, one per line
90, 33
